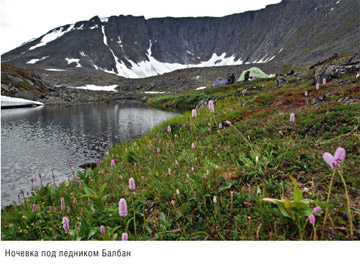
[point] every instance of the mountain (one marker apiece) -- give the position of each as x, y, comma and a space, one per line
293, 31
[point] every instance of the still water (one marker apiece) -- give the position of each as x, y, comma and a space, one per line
36, 140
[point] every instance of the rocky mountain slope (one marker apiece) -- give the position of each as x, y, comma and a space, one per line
292, 31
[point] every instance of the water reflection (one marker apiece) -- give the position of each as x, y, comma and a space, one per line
35, 140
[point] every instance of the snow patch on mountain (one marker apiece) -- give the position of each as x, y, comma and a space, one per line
93, 87
73, 60
53, 35
35, 60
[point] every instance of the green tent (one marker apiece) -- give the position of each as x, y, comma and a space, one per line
254, 72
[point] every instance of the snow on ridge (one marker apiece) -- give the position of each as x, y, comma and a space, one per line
104, 20
53, 35
73, 60
93, 87
35, 60
94, 27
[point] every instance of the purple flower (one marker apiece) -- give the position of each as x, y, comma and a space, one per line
107, 153
50, 209
124, 237
158, 150
335, 160
75, 179
62, 204
40, 175
102, 229
220, 126
32, 180
292, 117
112, 163
211, 106
132, 184
324, 81
169, 129
79, 185
134, 145
218, 131
184, 126
97, 162
59, 184
65, 223
317, 86
228, 122
143, 178
306, 93
193, 112
312, 219
209, 124
27, 193
316, 209
34, 208
75, 201
19, 196
193, 145
122, 208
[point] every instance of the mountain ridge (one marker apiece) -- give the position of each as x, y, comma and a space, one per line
292, 31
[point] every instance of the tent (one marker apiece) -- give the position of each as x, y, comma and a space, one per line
254, 72
219, 81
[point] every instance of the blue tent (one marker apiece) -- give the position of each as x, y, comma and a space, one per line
219, 81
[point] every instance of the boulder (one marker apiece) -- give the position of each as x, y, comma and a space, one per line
204, 102
281, 81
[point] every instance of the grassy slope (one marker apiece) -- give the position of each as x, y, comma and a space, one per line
176, 198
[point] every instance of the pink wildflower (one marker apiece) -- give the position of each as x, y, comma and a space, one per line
193, 145
312, 219
62, 204
122, 208
158, 150
306, 93
316, 209
292, 117
124, 237
324, 81
97, 162
112, 163
132, 184
193, 112
50, 209
34, 208
211, 106
65, 222
169, 129
102, 229
220, 126
317, 86
228, 122
143, 178
335, 160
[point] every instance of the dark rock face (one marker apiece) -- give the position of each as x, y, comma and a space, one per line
288, 32
336, 70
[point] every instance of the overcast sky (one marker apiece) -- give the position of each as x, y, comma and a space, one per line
22, 20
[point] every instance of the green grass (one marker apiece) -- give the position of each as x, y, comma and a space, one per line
258, 156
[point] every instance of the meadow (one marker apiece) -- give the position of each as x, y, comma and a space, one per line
263, 164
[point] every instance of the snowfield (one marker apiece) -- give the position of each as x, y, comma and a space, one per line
17, 102
92, 87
